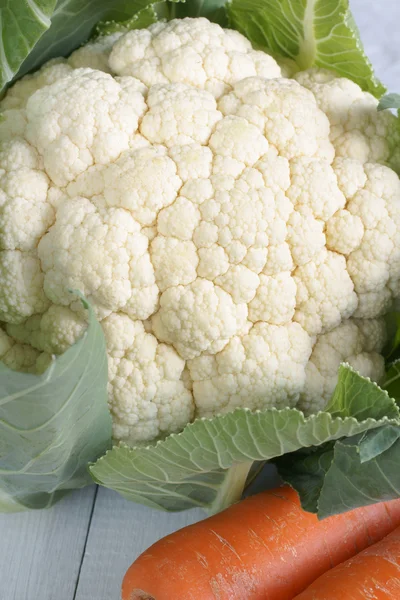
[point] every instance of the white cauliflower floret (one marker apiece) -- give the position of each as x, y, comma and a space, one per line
12, 125
179, 114
52, 332
198, 317
146, 394
374, 333
84, 118
374, 304
17, 153
179, 220
103, 254
344, 232
373, 264
193, 161
240, 282
264, 368
314, 185
95, 55
285, 112
264, 306
21, 286
236, 231
25, 213
142, 181
357, 129
20, 92
306, 237
195, 52
175, 261
18, 357
6, 343
325, 293
238, 139
355, 342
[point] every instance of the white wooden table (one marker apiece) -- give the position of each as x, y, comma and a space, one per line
80, 548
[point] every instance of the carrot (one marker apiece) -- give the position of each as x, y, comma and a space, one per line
265, 547
374, 573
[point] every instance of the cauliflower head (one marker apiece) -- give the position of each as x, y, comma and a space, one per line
236, 231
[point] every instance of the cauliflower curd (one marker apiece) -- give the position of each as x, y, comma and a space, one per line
236, 231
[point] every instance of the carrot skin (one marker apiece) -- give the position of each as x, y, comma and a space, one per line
373, 573
263, 547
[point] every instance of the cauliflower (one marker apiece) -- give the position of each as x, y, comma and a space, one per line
20, 357
236, 231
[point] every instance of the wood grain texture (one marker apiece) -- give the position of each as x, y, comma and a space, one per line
119, 532
41, 551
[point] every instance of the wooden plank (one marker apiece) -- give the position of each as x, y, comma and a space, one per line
41, 551
119, 532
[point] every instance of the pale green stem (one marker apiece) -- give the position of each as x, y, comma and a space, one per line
308, 45
172, 10
8, 504
232, 488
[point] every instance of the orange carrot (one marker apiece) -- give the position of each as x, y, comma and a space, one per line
263, 547
374, 573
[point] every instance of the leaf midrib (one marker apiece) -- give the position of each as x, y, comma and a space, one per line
308, 44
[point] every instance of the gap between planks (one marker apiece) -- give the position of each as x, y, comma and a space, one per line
85, 542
